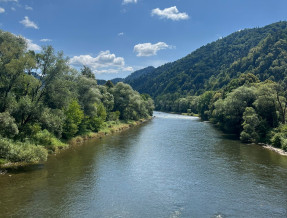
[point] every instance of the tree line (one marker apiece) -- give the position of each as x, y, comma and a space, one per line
43, 101
237, 82
255, 111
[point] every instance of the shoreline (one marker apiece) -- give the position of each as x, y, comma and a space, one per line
119, 127
265, 146
271, 148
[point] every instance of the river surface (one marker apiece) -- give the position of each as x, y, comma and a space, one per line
171, 166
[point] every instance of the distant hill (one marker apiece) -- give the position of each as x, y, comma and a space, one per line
114, 81
129, 79
260, 51
101, 82
137, 74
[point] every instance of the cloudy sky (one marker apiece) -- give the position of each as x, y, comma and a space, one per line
116, 37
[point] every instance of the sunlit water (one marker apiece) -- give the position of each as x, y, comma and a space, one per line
172, 166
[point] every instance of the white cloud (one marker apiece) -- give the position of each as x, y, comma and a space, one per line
2, 10
129, 1
148, 49
105, 62
8, 0
130, 69
170, 13
32, 46
28, 23
46, 40
28, 8
120, 34
13, 9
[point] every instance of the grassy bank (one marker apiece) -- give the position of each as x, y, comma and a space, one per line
107, 129
15, 154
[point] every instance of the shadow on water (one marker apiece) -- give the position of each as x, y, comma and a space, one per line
45, 189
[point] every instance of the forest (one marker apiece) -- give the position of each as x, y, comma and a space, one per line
238, 82
260, 51
44, 102
254, 111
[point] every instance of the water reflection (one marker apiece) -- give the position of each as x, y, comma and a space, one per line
172, 166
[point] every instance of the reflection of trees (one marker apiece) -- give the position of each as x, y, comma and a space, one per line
51, 190
253, 160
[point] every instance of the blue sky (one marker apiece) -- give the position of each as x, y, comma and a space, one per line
116, 37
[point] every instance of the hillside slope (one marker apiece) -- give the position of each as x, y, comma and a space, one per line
261, 51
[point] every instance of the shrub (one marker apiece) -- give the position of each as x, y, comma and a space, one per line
48, 140
113, 116
279, 138
21, 152
284, 144
276, 140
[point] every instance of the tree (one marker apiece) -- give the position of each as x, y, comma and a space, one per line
87, 72
88, 94
281, 98
11, 73
74, 116
204, 102
95, 122
109, 84
229, 111
8, 127
251, 121
130, 104
266, 108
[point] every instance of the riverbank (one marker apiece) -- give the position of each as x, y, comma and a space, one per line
108, 129
277, 150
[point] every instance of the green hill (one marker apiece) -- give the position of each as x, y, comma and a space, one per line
239, 83
261, 51
137, 74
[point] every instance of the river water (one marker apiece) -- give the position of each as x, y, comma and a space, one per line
171, 166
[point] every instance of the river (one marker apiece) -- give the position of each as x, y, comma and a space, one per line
171, 166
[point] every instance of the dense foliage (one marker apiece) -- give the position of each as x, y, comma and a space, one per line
238, 83
43, 100
260, 51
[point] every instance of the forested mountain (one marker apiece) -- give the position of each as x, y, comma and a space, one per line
261, 51
239, 83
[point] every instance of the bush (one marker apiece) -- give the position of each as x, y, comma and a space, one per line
21, 152
279, 138
276, 140
48, 140
114, 116
284, 144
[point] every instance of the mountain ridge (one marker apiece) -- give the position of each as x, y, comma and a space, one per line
198, 71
